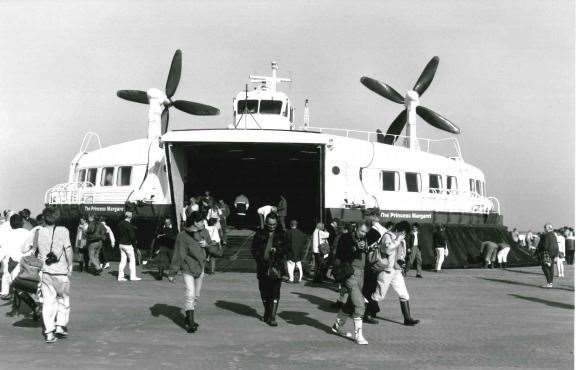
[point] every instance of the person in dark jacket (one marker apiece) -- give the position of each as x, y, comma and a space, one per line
440, 246
95, 235
126, 242
165, 244
190, 258
269, 249
296, 242
488, 251
569, 235
547, 250
351, 250
373, 237
414, 251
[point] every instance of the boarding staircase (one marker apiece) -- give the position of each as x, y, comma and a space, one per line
237, 256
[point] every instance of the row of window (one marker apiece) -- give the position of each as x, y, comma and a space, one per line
109, 176
391, 182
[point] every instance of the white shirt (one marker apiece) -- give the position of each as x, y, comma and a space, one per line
213, 232
415, 244
13, 243
561, 243
265, 210
318, 237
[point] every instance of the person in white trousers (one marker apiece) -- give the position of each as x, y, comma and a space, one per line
12, 242
502, 255
440, 246
126, 241
55, 250
561, 253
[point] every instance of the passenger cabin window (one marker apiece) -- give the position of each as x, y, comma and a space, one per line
107, 177
92, 173
435, 183
479, 187
413, 182
452, 184
124, 176
390, 181
247, 106
270, 107
472, 186
81, 176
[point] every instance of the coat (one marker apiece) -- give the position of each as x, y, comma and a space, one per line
189, 256
274, 258
296, 243
549, 244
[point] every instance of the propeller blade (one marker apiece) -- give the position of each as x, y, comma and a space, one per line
437, 120
427, 76
174, 74
395, 128
196, 109
136, 96
164, 121
382, 89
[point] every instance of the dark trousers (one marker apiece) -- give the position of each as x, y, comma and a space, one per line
319, 267
415, 255
370, 285
570, 257
269, 289
548, 272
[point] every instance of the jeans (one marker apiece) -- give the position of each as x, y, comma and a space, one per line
94, 253
55, 290
127, 252
291, 266
319, 267
393, 278
353, 289
416, 254
570, 257
193, 288
548, 273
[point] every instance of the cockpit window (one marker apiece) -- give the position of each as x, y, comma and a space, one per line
247, 106
270, 107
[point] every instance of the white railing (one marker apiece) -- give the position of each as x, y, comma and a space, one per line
70, 193
88, 139
496, 203
425, 144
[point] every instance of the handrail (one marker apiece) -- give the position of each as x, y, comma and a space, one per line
69, 192
371, 137
495, 201
87, 139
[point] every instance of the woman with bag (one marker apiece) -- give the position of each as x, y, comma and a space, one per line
269, 249
190, 258
321, 250
349, 263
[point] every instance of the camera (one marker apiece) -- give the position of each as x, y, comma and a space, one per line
51, 258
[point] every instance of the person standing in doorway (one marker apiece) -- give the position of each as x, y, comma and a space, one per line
296, 242
241, 205
440, 246
55, 250
224, 214
547, 251
282, 211
269, 250
126, 243
414, 252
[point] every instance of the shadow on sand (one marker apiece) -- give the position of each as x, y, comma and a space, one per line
238, 308
301, 318
565, 306
171, 312
512, 282
323, 304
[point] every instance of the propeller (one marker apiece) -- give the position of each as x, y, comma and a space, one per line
411, 99
143, 97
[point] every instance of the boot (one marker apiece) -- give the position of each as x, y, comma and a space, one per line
358, 337
408, 320
266, 316
191, 325
273, 308
338, 327
337, 305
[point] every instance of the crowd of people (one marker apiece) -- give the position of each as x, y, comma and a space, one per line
364, 258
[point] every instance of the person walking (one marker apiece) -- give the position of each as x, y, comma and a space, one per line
126, 243
374, 238
488, 251
394, 247
350, 257
55, 250
165, 244
561, 258
190, 258
413, 250
569, 236
440, 246
80, 247
224, 214
321, 250
547, 251
108, 244
12, 243
296, 242
269, 249
95, 234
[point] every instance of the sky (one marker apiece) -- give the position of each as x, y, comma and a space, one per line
506, 78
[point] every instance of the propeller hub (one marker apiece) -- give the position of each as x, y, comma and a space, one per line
412, 96
158, 96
